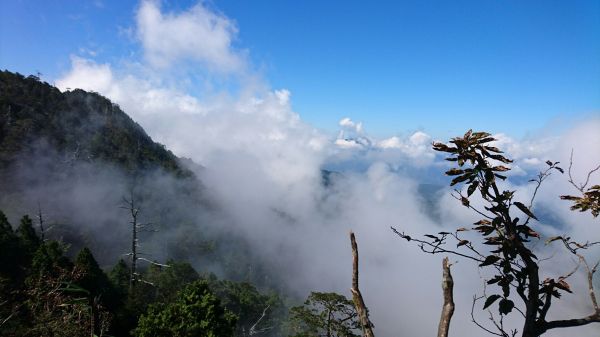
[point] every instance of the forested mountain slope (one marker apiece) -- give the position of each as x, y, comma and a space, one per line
79, 125
75, 156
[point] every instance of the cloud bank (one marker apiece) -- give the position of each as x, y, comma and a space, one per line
265, 164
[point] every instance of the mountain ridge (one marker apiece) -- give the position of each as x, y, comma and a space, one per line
80, 125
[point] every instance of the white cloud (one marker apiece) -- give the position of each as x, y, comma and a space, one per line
420, 138
198, 35
350, 125
391, 143
417, 146
529, 149
532, 161
260, 157
348, 144
346, 122
140, 96
88, 75
283, 95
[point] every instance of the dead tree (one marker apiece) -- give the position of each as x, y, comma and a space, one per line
363, 312
41, 221
137, 228
43, 229
448, 306
359, 303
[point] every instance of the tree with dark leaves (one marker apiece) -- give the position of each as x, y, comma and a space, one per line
505, 231
325, 314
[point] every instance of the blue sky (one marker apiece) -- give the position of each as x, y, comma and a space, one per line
438, 66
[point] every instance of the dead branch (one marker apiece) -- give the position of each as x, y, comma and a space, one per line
592, 318
475, 299
361, 308
590, 278
253, 331
14, 311
448, 307
153, 262
539, 179
583, 185
549, 293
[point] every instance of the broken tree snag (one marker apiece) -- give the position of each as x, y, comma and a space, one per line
448, 307
361, 308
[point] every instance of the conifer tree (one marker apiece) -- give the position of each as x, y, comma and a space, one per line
27, 234
119, 275
10, 250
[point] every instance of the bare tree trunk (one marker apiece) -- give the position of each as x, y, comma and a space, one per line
41, 221
448, 307
133, 270
130, 206
136, 229
361, 308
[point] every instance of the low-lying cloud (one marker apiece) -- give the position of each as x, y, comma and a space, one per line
265, 164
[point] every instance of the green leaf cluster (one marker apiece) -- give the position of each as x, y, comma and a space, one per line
195, 312
324, 314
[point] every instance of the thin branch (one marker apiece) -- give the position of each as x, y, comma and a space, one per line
582, 186
435, 247
144, 281
7, 319
475, 299
590, 279
548, 294
574, 246
540, 179
469, 245
593, 318
14, 311
153, 262
469, 205
499, 326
